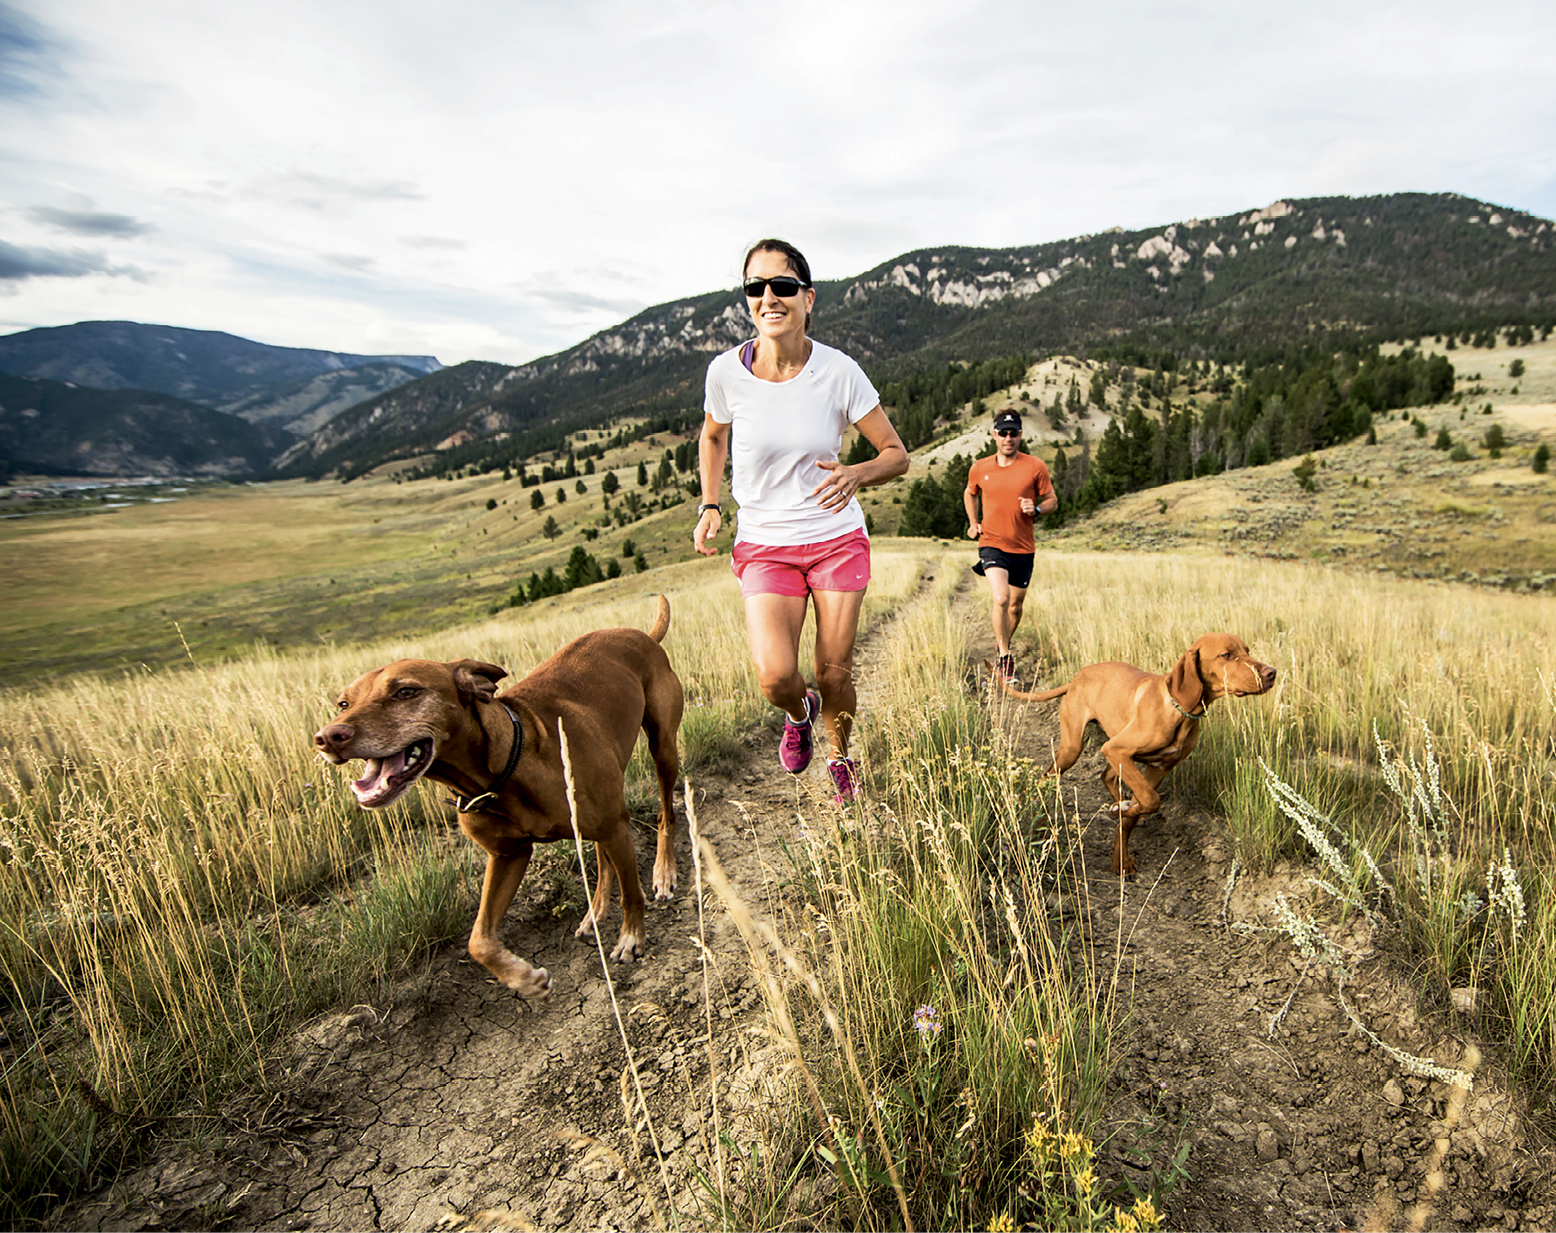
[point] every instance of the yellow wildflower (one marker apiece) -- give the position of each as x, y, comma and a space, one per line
1085, 1180
1002, 1224
1123, 1222
1145, 1212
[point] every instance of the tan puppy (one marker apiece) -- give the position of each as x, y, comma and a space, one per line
1149, 719
501, 756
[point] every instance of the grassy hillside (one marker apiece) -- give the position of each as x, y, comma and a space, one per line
186, 891
290, 564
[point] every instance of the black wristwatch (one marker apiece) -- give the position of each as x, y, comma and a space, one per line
703, 509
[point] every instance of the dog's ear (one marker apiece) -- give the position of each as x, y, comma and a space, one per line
476, 679
1184, 682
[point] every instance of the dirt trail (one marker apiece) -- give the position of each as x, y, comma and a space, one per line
444, 1106
1302, 1125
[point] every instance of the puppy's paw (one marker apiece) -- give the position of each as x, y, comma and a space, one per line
628, 948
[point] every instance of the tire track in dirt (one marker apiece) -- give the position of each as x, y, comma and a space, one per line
1300, 1125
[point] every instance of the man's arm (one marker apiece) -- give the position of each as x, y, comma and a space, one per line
970, 504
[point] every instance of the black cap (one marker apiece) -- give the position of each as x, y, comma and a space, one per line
1007, 419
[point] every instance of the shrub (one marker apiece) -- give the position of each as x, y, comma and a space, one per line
1304, 472
1542, 458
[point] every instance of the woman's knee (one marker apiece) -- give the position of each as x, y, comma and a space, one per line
776, 682
834, 678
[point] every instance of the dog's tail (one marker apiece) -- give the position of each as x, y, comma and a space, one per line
1042, 695
661, 620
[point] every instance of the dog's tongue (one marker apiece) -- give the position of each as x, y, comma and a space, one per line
376, 777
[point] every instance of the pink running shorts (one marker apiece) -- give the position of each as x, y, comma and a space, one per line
841, 564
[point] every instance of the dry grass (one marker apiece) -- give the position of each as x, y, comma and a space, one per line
1463, 679
181, 882
946, 1054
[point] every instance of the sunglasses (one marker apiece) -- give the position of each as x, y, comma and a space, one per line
1007, 432
784, 288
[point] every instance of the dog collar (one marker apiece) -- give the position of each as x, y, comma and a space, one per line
1204, 706
474, 804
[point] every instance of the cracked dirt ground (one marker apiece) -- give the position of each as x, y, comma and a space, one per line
459, 1104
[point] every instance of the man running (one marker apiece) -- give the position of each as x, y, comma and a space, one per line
1014, 489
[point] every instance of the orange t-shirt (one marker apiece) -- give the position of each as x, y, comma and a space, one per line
1004, 525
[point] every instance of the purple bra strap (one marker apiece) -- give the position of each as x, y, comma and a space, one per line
748, 356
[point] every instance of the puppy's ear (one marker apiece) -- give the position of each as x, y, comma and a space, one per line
1184, 682
476, 679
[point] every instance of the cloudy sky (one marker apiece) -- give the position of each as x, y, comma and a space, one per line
499, 179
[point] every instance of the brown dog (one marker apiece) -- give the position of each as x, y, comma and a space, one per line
1151, 720
501, 756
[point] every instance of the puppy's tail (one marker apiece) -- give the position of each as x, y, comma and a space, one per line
1043, 695
661, 620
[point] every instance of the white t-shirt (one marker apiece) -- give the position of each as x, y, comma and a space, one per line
779, 431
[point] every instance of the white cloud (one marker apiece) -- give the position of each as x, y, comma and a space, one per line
500, 179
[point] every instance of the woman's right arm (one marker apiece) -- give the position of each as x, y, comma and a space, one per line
712, 453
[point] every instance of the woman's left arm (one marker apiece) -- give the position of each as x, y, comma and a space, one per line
890, 461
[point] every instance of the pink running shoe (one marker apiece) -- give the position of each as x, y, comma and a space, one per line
845, 774
795, 749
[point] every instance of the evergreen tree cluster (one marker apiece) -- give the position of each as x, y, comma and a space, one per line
581, 570
1282, 409
918, 400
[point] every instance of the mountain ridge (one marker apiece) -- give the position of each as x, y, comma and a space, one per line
56, 428
1276, 276
211, 367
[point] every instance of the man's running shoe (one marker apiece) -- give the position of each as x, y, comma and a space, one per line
1007, 668
845, 775
795, 749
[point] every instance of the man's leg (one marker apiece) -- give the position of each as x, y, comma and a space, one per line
1013, 608
999, 606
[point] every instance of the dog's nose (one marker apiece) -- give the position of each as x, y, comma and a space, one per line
1267, 675
334, 735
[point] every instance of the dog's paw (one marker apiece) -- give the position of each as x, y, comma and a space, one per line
628, 949
585, 927
664, 883
538, 985
524, 978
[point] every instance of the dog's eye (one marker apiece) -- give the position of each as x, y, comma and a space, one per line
406, 691
342, 705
